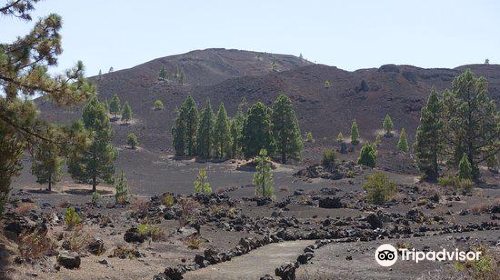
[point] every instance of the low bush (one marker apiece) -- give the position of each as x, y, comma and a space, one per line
169, 200
33, 245
329, 157
194, 243
24, 208
379, 188
71, 218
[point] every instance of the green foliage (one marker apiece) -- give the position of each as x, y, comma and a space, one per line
185, 128
364, 86
115, 105
429, 138
92, 161
132, 140
368, 155
201, 185
472, 121
388, 125
3, 200
286, 129
25, 72
121, 189
340, 138
158, 105
46, 163
309, 137
95, 198
257, 131
379, 188
162, 76
327, 84
236, 134
169, 200
354, 133
464, 185
71, 218
378, 140
263, 178
222, 133
205, 132
448, 181
464, 168
126, 112
329, 157
403, 142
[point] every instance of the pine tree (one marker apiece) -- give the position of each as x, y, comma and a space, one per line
47, 163
340, 138
388, 125
368, 155
132, 141
111, 69
429, 138
158, 105
114, 105
257, 131
472, 121
354, 133
162, 76
222, 133
121, 187
286, 129
100, 75
201, 185
263, 178
464, 168
24, 72
93, 163
378, 140
236, 134
179, 134
205, 133
403, 142
126, 113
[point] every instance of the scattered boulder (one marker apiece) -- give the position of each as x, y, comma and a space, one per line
133, 236
286, 271
69, 260
330, 202
304, 258
174, 273
96, 246
267, 277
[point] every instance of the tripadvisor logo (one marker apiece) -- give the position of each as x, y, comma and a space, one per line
387, 255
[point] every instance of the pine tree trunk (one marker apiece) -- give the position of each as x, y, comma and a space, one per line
50, 182
94, 184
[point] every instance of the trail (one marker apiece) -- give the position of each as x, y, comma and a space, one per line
253, 265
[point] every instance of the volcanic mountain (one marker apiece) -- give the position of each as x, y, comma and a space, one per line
326, 98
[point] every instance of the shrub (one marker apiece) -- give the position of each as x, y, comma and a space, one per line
368, 155
95, 198
464, 168
154, 231
121, 195
463, 185
466, 185
379, 188
158, 105
188, 209
309, 137
2, 205
77, 240
71, 218
329, 157
24, 208
35, 244
169, 200
448, 181
200, 185
194, 243
485, 268
132, 141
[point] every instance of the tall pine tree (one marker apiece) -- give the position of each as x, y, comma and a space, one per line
263, 177
286, 129
429, 138
126, 113
257, 131
222, 133
205, 133
388, 125
47, 163
114, 105
354, 133
237, 133
472, 121
403, 142
179, 134
93, 163
191, 117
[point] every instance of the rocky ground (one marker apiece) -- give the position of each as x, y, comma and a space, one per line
319, 227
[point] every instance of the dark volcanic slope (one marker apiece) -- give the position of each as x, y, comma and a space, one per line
230, 75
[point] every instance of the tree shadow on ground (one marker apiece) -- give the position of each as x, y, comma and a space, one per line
77, 191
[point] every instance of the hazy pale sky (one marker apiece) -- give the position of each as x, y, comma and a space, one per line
349, 34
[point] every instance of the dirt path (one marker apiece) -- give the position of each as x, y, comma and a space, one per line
253, 265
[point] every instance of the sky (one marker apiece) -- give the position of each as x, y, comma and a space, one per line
349, 34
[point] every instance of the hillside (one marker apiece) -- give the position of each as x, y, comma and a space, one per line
230, 75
